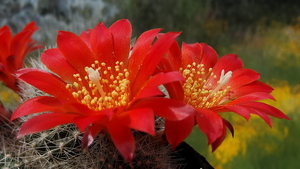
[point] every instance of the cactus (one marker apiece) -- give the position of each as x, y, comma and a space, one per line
60, 148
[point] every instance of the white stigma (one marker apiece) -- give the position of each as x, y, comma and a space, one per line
94, 77
224, 79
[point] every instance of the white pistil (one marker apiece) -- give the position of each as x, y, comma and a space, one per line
224, 79
94, 77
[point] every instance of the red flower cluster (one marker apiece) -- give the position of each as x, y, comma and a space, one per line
13, 50
101, 84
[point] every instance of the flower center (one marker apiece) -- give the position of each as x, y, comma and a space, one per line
102, 87
199, 91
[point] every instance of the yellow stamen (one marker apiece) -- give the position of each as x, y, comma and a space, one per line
198, 91
110, 90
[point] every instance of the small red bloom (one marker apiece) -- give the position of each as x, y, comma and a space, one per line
100, 84
13, 51
213, 86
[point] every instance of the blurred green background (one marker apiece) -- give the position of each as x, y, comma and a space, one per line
264, 33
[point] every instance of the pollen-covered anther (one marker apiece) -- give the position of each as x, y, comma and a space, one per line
75, 95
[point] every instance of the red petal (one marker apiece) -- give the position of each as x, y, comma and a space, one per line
255, 86
157, 51
150, 87
177, 131
6, 37
229, 126
210, 123
220, 139
191, 53
83, 122
2, 68
242, 77
44, 122
199, 53
165, 65
210, 56
228, 62
32, 46
75, 50
251, 97
48, 103
101, 117
139, 119
19, 43
86, 37
122, 138
263, 115
240, 110
139, 52
102, 45
175, 90
37, 105
78, 108
270, 110
30, 27
46, 82
174, 56
56, 62
121, 31
10, 63
169, 109
90, 135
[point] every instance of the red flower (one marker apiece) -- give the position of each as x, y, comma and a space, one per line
213, 86
101, 85
13, 51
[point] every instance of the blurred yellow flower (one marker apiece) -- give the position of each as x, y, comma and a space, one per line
231, 147
287, 97
8, 97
